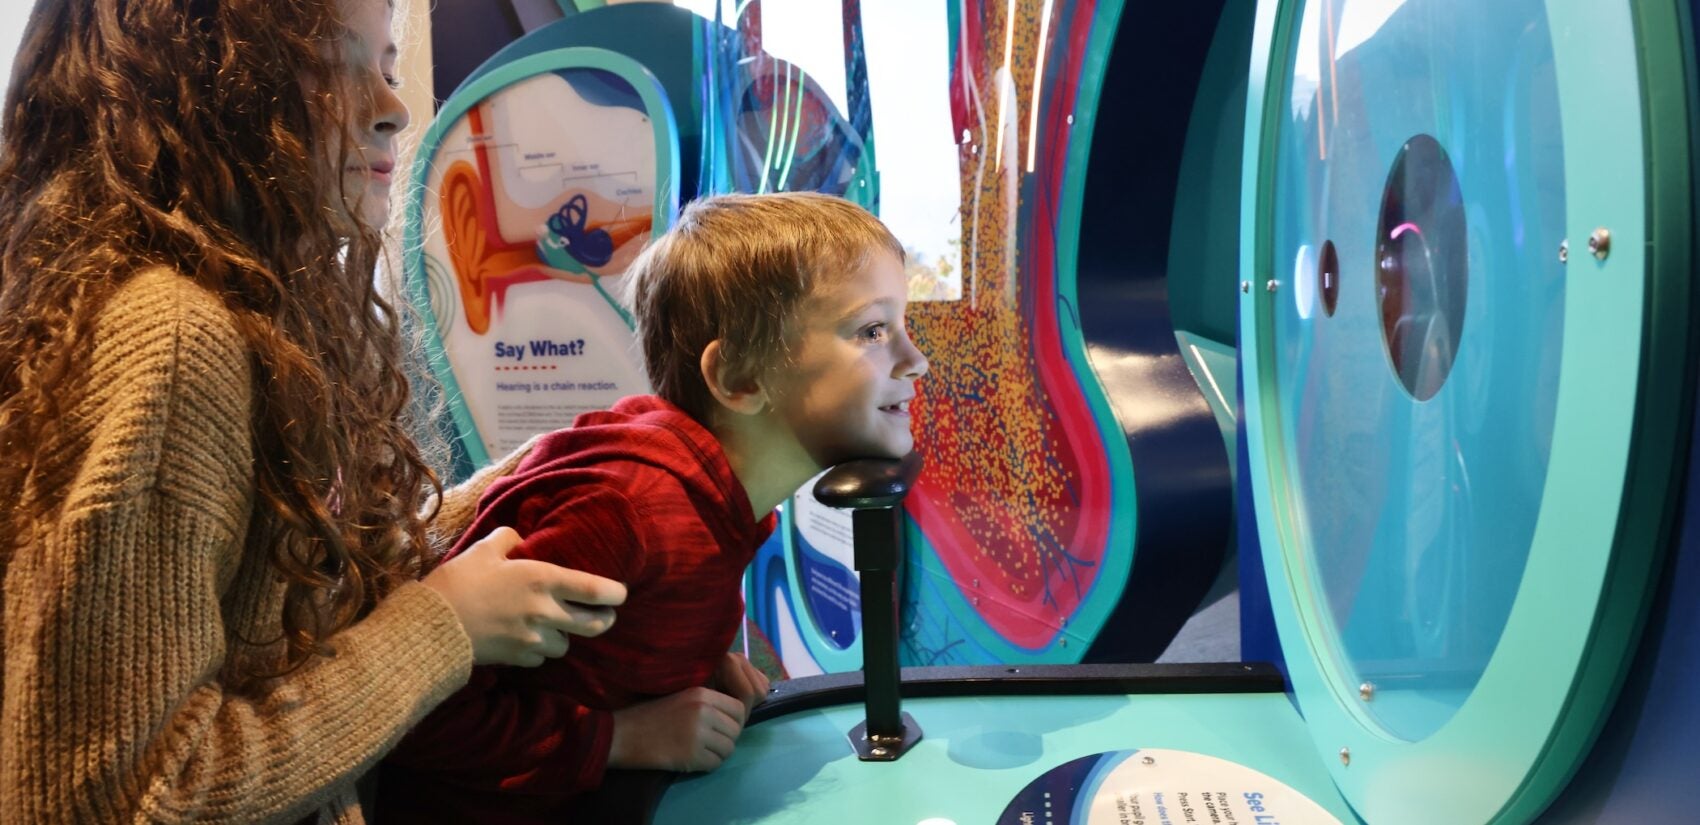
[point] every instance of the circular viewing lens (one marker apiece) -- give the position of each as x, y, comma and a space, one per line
1421, 266
1328, 277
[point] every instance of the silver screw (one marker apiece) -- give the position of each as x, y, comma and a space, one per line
1272, 285
1599, 243
1245, 286
1366, 691
1346, 756
879, 751
1148, 761
1564, 251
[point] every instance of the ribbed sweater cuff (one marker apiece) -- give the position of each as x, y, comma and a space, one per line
416, 626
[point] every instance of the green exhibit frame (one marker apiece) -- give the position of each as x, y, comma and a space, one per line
660, 115
1625, 394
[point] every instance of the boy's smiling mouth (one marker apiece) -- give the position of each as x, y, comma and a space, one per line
899, 408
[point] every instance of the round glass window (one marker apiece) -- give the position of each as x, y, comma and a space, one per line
1414, 427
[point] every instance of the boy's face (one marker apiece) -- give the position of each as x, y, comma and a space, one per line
846, 394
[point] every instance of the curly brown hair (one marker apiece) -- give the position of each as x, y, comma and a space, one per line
189, 134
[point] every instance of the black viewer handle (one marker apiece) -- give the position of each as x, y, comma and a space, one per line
868, 483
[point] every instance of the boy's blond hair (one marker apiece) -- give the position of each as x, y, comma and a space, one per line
736, 268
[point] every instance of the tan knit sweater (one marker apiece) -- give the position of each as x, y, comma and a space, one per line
121, 612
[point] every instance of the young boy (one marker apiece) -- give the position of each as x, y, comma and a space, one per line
773, 332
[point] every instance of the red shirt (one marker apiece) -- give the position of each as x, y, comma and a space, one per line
644, 495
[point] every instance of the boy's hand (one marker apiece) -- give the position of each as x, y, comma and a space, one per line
739, 679
692, 730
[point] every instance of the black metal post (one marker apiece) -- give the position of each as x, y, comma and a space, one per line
872, 490
877, 535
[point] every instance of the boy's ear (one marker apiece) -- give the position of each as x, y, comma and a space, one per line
740, 394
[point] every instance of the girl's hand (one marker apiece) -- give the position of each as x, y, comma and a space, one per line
519, 611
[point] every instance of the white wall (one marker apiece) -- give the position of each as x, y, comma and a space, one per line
13, 15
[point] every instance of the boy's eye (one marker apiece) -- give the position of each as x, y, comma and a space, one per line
872, 333
393, 81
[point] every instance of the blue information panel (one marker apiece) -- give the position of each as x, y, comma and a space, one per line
1159, 787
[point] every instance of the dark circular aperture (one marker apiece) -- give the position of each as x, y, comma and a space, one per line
1421, 266
1328, 278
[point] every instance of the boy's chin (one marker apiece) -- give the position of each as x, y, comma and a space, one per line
860, 452
891, 451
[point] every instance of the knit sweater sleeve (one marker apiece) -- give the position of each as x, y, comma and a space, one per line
118, 609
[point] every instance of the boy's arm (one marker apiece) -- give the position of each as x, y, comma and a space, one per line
453, 513
501, 738
519, 738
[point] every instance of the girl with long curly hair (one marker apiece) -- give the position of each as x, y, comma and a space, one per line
219, 598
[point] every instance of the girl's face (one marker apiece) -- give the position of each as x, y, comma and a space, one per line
372, 113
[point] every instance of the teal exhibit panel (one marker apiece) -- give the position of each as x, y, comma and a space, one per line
770, 124
536, 186
1465, 356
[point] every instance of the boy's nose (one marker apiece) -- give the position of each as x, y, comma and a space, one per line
911, 363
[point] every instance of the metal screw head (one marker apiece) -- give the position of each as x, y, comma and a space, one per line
1564, 251
1245, 286
1148, 761
879, 751
1272, 285
1346, 756
1366, 691
1599, 243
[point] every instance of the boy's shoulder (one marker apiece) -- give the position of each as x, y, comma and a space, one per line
642, 430
643, 448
